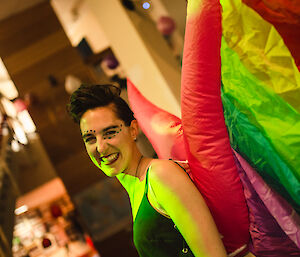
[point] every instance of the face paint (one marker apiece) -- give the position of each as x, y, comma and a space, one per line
112, 133
107, 133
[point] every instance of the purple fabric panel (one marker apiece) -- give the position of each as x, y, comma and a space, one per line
285, 215
268, 237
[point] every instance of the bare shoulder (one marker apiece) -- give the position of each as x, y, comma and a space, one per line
174, 189
166, 172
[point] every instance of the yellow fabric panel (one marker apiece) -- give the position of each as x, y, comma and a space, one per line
261, 50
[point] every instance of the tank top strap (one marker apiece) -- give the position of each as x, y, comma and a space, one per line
146, 182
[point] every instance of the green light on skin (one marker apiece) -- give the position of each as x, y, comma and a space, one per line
105, 169
95, 161
135, 189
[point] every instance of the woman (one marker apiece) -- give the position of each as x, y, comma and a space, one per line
170, 215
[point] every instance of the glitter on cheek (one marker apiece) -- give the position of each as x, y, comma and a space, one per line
115, 133
110, 137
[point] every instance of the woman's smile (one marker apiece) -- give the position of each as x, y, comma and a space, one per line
109, 159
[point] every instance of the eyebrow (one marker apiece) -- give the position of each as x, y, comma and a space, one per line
103, 130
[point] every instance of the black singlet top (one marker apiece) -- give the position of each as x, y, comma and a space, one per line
155, 235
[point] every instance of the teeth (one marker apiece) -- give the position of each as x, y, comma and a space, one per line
110, 158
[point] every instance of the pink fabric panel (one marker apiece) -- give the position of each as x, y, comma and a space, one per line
163, 129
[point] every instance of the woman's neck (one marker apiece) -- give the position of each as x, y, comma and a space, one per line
130, 178
135, 185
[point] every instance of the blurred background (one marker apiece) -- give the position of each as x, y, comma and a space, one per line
53, 201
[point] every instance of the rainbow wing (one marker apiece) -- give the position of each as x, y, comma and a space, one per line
272, 219
260, 97
261, 90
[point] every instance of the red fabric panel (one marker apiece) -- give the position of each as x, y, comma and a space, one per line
210, 155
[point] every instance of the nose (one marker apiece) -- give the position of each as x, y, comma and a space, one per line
101, 146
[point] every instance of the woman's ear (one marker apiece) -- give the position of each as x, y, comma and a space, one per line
134, 129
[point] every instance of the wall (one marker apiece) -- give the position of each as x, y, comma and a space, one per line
34, 47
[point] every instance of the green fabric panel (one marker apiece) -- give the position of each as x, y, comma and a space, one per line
278, 121
247, 140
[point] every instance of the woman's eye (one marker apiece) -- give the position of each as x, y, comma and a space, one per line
110, 133
89, 139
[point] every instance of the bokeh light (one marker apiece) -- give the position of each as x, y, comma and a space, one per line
146, 5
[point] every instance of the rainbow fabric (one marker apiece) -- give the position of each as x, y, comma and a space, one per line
260, 95
261, 89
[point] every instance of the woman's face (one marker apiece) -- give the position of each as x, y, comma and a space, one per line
109, 143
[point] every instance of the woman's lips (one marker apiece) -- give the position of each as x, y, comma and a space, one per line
109, 159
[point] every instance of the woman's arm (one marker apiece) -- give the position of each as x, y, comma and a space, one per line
177, 194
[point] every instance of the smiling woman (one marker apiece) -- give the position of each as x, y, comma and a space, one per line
109, 142
107, 126
170, 215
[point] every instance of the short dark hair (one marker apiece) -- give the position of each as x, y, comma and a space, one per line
88, 97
